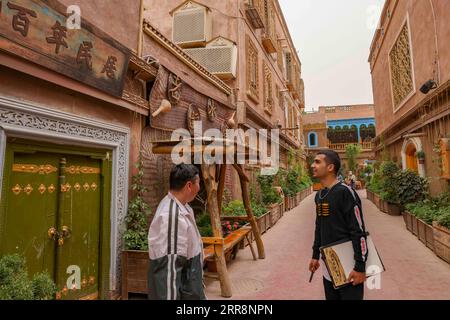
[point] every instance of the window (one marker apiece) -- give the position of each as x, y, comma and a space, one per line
252, 70
280, 56
268, 94
400, 62
312, 139
288, 72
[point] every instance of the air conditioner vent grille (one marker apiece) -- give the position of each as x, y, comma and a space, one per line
189, 26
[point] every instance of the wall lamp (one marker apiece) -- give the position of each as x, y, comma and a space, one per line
427, 86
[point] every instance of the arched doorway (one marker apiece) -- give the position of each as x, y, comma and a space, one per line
411, 158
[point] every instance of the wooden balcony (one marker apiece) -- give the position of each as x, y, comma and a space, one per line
269, 42
340, 147
254, 10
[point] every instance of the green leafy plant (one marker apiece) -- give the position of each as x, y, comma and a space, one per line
432, 209
234, 208
420, 155
351, 152
423, 211
268, 192
389, 183
410, 187
135, 236
204, 225
15, 284
444, 217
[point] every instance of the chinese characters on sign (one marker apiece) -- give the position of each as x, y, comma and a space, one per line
36, 30
20, 21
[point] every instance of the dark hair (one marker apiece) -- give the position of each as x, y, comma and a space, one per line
182, 174
332, 157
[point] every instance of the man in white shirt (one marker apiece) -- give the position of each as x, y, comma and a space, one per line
175, 244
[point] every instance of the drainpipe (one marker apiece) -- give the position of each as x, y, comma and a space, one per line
437, 63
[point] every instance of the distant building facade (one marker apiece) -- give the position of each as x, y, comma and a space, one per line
335, 127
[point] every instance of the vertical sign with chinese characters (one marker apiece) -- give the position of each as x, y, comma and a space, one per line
36, 30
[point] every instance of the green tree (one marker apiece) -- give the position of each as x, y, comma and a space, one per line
351, 152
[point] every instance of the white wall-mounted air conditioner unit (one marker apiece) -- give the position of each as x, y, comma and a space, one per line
219, 57
191, 26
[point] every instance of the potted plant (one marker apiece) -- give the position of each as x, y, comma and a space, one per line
389, 202
135, 254
270, 197
441, 233
420, 156
15, 283
407, 219
410, 187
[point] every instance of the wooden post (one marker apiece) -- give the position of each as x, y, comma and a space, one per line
223, 169
209, 178
251, 218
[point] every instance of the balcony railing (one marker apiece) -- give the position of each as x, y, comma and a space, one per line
365, 146
255, 13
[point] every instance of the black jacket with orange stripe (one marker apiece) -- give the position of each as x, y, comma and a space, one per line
339, 217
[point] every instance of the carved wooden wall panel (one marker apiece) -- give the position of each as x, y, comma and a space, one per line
401, 68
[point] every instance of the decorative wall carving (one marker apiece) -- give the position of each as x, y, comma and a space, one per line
401, 68
211, 110
174, 89
192, 115
252, 69
268, 94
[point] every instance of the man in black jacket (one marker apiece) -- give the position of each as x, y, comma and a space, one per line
339, 217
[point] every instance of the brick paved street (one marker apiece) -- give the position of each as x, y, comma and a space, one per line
413, 271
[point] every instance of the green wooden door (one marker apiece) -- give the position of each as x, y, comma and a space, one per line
79, 205
31, 209
63, 192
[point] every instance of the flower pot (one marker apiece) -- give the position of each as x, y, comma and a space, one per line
393, 209
421, 231
281, 206
441, 242
421, 161
274, 214
377, 200
414, 225
429, 237
368, 195
383, 206
408, 220
261, 222
134, 272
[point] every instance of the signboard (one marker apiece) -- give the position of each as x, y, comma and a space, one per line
36, 30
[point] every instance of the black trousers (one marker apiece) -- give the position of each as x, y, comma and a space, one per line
349, 292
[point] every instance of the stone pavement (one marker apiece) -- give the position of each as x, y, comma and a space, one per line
412, 270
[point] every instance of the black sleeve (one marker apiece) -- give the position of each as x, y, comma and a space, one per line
355, 222
317, 239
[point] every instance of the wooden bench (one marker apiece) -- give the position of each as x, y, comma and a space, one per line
230, 244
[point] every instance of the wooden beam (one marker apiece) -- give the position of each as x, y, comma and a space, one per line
223, 169
251, 217
240, 170
212, 240
209, 178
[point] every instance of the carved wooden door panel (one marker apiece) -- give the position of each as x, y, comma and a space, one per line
29, 201
51, 211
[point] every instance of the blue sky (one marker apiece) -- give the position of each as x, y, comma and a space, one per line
333, 38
